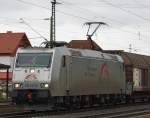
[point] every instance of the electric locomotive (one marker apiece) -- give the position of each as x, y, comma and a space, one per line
65, 76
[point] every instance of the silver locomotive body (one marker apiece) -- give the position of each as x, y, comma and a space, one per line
66, 72
86, 72
31, 75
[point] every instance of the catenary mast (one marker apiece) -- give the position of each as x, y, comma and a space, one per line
52, 25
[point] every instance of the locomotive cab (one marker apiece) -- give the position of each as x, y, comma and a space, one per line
31, 75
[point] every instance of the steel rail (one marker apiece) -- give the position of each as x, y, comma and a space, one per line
28, 114
120, 114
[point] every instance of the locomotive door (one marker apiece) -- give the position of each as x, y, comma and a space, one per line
76, 75
68, 63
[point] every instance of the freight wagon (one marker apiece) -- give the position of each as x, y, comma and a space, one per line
137, 73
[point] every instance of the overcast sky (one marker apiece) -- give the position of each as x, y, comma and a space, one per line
128, 21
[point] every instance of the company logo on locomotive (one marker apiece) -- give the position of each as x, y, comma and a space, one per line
104, 70
31, 77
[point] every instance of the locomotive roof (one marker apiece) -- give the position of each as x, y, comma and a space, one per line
97, 54
34, 50
73, 52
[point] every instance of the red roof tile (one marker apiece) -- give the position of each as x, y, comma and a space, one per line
9, 42
84, 44
3, 75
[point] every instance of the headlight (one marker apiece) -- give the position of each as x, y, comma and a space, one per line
32, 71
17, 85
44, 85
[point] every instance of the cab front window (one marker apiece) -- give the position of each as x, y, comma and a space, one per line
33, 60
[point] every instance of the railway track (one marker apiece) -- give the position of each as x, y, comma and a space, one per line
19, 115
6, 104
8, 107
28, 114
111, 112
120, 114
15, 115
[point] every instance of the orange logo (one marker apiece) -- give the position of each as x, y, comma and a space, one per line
31, 77
104, 70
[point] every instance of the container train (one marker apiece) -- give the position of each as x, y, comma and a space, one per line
64, 76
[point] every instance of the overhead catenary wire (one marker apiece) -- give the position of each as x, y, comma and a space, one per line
127, 11
30, 3
140, 4
79, 17
76, 16
23, 21
69, 14
65, 13
87, 10
127, 31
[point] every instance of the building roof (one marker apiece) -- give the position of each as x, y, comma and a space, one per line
84, 44
9, 42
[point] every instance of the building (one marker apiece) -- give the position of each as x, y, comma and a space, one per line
84, 44
9, 43
4, 84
